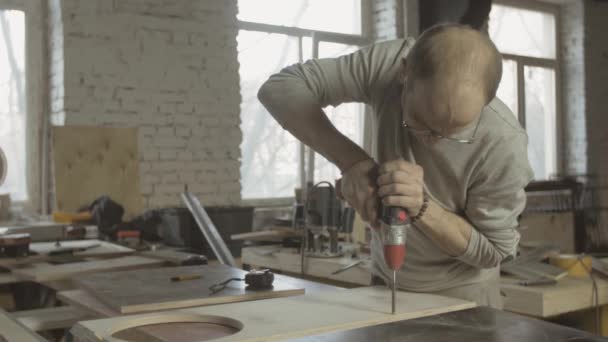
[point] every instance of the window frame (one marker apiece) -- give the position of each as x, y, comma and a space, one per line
306, 155
36, 102
521, 61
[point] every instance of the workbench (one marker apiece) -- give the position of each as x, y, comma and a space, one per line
543, 301
481, 324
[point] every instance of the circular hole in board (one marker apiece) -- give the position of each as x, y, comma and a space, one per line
203, 328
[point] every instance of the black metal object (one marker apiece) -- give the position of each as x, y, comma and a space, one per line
481, 324
259, 279
255, 279
15, 245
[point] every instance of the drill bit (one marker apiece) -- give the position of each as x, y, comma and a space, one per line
394, 283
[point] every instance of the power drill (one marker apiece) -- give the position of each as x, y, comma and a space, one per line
394, 224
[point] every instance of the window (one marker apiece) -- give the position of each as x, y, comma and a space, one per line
22, 122
274, 34
13, 102
527, 39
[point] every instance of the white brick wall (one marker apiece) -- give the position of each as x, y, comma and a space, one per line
387, 19
573, 87
168, 67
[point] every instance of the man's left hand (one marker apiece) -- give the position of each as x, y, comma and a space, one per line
401, 184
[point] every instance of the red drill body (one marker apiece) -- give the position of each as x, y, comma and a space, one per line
394, 226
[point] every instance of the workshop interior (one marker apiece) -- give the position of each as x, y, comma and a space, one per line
156, 184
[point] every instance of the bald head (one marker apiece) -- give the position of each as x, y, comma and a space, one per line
451, 72
457, 53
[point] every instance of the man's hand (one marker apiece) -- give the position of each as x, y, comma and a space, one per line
358, 188
401, 184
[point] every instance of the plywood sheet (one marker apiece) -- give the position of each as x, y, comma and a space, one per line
48, 272
60, 317
569, 294
91, 248
152, 290
15, 331
284, 318
93, 161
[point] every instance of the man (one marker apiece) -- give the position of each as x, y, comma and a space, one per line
447, 150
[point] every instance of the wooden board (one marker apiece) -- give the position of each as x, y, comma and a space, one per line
535, 227
91, 248
60, 317
288, 260
284, 318
170, 255
274, 234
85, 302
569, 294
152, 290
47, 272
45, 249
15, 331
39, 231
93, 161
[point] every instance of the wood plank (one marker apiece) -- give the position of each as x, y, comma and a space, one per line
267, 235
44, 249
15, 331
92, 248
152, 290
105, 163
84, 301
170, 255
284, 318
47, 272
569, 294
288, 260
7, 278
60, 317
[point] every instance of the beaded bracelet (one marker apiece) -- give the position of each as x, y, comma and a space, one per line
425, 204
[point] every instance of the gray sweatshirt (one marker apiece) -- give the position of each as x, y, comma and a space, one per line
482, 182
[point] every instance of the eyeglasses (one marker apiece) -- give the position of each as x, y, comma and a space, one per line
437, 135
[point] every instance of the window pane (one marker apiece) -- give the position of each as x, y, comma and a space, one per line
347, 117
13, 102
523, 32
343, 16
507, 91
269, 166
540, 120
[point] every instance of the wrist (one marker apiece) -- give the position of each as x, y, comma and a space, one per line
423, 209
347, 163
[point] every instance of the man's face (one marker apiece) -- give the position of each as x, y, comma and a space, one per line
435, 109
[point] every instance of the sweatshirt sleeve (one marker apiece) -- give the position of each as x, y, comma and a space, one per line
495, 200
317, 83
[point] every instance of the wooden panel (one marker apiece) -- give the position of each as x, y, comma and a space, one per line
536, 227
91, 248
47, 272
15, 331
284, 318
288, 260
102, 249
86, 302
569, 294
93, 161
152, 290
60, 317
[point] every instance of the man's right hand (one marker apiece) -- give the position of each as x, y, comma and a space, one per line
359, 189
